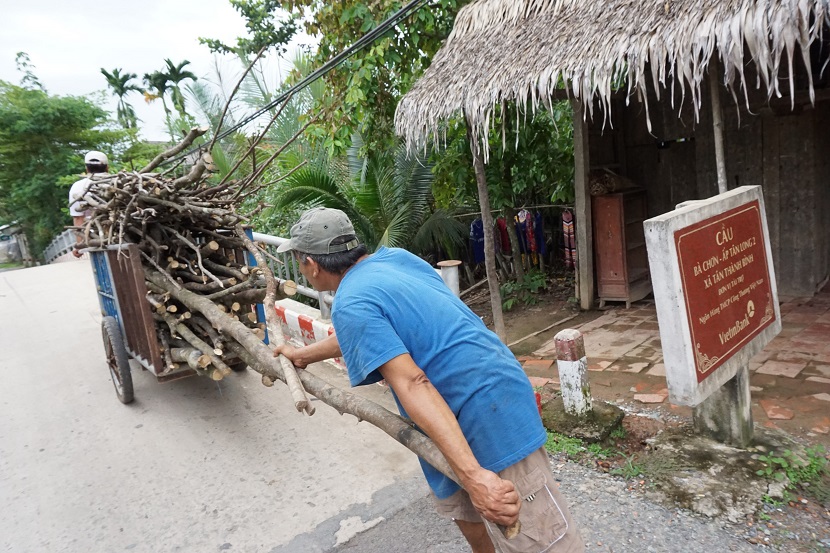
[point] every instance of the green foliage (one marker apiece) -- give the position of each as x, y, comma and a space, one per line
42, 141
601, 452
359, 97
135, 154
364, 90
168, 80
558, 443
618, 433
577, 449
629, 469
387, 194
771, 501
531, 157
29, 81
524, 291
530, 163
157, 83
795, 469
265, 28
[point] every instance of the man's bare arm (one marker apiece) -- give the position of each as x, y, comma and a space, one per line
494, 498
302, 357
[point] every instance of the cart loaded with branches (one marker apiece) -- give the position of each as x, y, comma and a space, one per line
184, 290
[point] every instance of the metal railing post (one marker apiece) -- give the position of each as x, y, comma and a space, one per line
325, 305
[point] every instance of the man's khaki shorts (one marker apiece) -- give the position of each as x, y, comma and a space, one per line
547, 525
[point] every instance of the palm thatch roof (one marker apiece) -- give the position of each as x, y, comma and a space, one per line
524, 50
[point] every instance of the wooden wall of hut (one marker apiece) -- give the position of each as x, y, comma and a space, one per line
786, 151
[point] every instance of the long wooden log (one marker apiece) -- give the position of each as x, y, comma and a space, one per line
301, 401
364, 409
221, 321
259, 357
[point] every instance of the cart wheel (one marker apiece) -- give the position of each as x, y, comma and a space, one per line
238, 367
117, 359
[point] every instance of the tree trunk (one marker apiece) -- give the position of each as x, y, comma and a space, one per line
518, 271
489, 243
717, 125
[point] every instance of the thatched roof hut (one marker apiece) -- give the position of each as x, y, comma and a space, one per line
533, 51
649, 59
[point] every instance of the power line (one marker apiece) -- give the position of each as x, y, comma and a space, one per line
361, 43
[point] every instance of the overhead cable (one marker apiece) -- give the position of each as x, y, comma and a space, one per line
361, 43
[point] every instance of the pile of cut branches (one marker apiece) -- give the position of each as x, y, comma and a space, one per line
188, 231
192, 243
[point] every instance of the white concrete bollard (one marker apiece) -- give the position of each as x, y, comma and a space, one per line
573, 372
449, 274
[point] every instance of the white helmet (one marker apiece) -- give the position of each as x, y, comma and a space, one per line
95, 158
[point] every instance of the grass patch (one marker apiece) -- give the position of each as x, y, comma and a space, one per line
577, 449
618, 433
809, 472
558, 443
10, 265
629, 469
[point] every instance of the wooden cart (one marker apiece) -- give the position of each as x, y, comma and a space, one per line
128, 328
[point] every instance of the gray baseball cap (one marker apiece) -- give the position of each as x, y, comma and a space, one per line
317, 229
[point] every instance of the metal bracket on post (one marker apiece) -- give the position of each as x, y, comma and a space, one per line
325, 299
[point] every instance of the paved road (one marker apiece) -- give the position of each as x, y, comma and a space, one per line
190, 466
193, 466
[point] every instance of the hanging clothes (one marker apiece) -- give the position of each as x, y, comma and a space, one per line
504, 238
527, 240
569, 238
539, 234
521, 230
477, 240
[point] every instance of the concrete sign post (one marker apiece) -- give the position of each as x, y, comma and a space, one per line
717, 304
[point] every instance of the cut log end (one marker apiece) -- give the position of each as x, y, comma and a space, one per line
288, 288
216, 375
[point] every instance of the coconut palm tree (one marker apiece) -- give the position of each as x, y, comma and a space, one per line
120, 85
175, 74
157, 81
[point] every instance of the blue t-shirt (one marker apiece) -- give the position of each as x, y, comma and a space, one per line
393, 303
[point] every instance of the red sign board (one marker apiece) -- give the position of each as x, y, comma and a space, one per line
726, 284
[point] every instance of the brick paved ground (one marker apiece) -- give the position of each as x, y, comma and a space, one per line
790, 378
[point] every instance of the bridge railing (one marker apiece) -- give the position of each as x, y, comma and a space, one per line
286, 268
60, 245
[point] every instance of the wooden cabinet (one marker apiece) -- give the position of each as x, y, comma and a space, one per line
620, 247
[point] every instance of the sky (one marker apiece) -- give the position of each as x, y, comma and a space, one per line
69, 41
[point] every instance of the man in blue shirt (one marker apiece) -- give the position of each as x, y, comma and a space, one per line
395, 320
